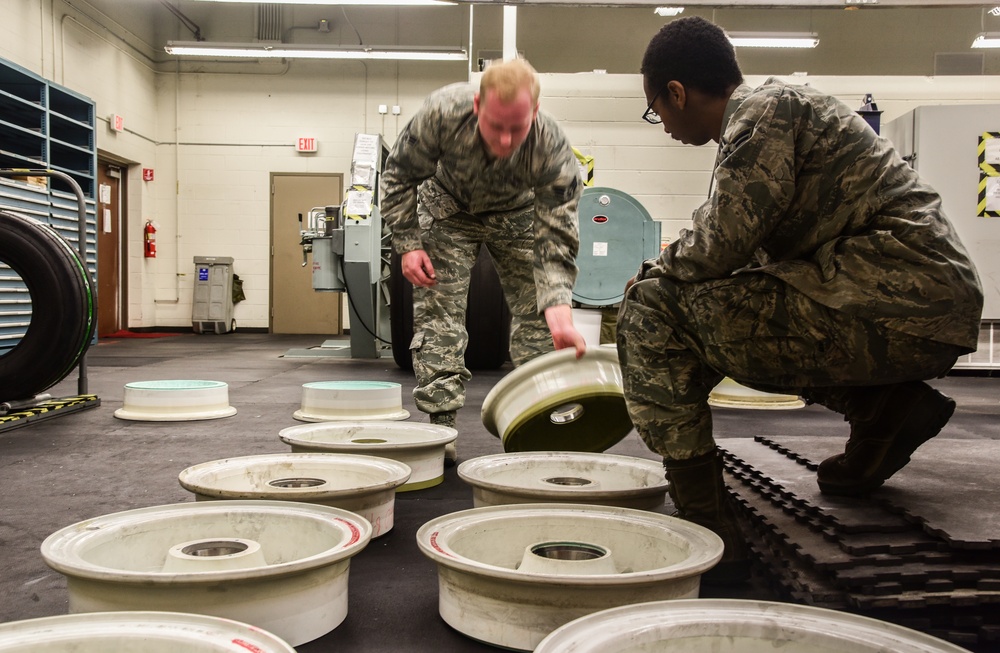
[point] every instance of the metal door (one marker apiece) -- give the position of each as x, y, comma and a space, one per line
295, 306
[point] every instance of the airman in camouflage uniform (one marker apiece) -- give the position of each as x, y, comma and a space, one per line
820, 265
480, 168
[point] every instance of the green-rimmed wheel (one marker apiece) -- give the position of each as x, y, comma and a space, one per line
558, 402
61, 303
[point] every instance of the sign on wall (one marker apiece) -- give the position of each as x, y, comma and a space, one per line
306, 144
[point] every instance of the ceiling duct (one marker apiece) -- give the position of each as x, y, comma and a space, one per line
269, 23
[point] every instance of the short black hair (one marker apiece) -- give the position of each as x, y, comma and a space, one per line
694, 52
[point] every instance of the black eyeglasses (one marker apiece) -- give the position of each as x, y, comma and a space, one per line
649, 115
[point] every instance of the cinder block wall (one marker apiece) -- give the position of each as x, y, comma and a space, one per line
232, 131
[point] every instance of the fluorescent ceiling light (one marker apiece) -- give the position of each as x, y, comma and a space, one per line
668, 11
773, 40
382, 3
987, 40
283, 51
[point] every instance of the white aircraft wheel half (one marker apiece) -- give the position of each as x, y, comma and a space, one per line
365, 485
735, 626
277, 565
510, 575
570, 477
420, 446
128, 632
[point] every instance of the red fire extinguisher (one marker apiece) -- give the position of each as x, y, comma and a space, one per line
149, 240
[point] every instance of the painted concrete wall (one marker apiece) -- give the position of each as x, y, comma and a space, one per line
213, 134
231, 132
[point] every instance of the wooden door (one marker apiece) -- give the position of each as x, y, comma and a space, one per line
110, 244
295, 306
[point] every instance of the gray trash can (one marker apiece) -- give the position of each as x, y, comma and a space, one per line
212, 308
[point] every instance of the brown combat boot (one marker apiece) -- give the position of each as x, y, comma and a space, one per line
450, 450
700, 496
888, 423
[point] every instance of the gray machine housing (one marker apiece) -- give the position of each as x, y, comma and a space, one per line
616, 235
350, 250
348, 257
942, 143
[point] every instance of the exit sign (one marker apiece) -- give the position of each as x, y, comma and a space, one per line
305, 144
116, 122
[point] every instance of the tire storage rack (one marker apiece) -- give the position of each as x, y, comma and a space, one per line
48, 245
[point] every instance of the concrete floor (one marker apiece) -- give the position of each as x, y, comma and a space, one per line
56, 472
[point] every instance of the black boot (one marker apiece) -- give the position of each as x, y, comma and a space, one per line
888, 423
698, 493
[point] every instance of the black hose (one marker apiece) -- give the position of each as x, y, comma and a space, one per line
350, 300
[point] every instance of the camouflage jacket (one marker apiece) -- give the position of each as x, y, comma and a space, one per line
440, 152
803, 189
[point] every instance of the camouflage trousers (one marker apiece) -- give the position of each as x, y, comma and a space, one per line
440, 337
676, 341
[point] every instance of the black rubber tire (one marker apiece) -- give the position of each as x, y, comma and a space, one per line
400, 314
487, 318
63, 307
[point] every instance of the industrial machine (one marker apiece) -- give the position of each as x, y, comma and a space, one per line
350, 251
616, 235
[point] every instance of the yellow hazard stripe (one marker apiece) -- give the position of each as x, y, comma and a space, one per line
589, 181
586, 163
989, 169
48, 406
981, 207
